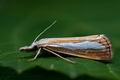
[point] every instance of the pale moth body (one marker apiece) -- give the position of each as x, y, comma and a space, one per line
96, 47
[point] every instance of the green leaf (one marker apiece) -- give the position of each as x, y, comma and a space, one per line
17, 61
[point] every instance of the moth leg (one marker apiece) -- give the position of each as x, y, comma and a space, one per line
59, 56
35, 55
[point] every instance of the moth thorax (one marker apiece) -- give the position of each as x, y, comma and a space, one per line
42, 41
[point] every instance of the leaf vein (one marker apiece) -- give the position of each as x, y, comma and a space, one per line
112, 72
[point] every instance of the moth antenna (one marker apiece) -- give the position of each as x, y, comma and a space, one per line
44, 31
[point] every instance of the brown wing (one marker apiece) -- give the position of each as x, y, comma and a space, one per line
91, 51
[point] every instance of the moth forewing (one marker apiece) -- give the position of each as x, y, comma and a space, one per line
95, 47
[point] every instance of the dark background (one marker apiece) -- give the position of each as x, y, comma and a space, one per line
22, 20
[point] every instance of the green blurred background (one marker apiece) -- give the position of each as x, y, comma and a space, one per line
22, 20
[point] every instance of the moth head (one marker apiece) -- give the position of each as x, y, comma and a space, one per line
32, 47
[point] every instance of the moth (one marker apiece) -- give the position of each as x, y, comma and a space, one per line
96, 47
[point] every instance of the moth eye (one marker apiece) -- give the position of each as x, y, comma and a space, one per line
35, 47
